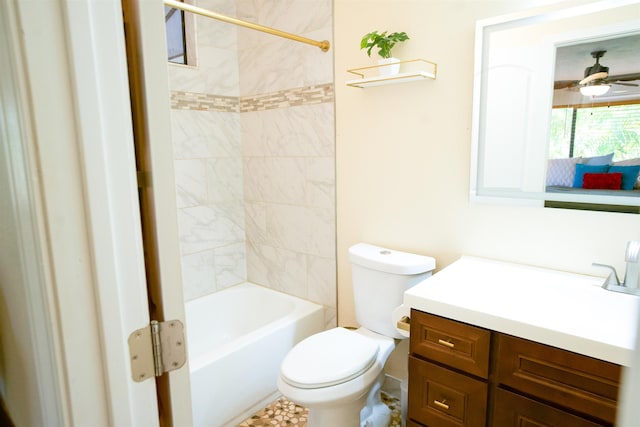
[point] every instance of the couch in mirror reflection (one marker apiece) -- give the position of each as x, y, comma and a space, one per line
597, 175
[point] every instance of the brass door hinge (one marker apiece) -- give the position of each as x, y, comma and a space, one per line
156, 349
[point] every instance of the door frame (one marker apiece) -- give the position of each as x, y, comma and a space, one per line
75, 106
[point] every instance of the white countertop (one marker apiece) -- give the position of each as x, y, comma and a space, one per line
565, 310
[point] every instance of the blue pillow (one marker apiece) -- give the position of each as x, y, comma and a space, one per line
582, 169
598, 160
629, 175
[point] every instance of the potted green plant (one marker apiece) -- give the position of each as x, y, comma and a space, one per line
384, 42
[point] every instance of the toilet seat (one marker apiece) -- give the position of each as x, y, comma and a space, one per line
328, 358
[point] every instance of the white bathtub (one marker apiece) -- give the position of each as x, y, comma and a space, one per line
237, 339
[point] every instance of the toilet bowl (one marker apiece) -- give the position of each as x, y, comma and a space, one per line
337, 374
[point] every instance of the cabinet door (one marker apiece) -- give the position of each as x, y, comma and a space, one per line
562, 378
439, 397
512, 410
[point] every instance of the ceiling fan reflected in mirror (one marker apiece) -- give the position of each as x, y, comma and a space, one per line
597, 80
594, 76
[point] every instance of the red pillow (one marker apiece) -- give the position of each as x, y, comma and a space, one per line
602, 181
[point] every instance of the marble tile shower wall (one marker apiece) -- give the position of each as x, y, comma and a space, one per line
253, 133
288, 150
205, 123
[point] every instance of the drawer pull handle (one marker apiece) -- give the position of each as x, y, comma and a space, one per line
442, 404
446, 343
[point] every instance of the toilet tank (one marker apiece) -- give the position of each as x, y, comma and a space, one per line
380, 277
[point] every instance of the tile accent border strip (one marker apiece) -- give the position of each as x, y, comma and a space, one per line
181, 100
315, 94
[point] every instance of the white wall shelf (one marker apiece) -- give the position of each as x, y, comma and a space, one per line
422, 70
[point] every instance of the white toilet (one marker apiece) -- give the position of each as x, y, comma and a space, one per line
337, 374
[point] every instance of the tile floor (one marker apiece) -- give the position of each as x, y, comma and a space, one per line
283, 412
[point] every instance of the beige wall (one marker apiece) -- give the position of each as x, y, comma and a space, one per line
402, 154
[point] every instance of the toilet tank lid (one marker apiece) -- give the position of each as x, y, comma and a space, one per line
389, 260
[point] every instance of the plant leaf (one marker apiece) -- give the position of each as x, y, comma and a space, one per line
383, 41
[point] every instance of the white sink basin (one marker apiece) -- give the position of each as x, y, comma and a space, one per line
565, 310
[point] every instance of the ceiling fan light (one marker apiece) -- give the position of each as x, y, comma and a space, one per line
594, 90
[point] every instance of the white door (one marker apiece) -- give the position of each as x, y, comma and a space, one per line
70, 166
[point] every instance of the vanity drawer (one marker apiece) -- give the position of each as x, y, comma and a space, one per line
439, 397
452, 343
515, 410
566, 379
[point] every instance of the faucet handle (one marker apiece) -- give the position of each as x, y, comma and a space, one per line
612, 279
632, 254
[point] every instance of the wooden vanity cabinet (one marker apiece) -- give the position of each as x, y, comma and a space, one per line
463, 375
448, 372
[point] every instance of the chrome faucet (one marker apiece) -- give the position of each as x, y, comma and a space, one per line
612, 278
631, 284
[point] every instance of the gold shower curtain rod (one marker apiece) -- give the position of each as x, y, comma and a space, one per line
324, 45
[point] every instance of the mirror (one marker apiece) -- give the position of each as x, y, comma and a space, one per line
519, 59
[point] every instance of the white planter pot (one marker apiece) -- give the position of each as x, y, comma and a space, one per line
390, 67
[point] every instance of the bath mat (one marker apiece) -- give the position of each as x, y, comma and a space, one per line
283, 412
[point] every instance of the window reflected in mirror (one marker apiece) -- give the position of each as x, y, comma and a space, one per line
585, 131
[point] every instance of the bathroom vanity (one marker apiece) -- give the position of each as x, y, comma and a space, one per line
500, 344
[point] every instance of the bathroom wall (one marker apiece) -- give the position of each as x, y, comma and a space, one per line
254, 141
403, 155
288, 150
205, 122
